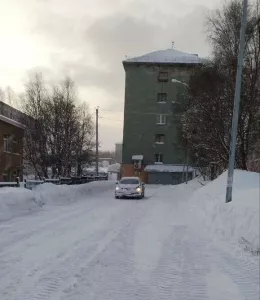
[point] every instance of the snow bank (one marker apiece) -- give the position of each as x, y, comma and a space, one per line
60, 194
16, 202
236, 222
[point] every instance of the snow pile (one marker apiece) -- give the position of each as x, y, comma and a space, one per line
61, 194
15, 202
19, 201
236, 222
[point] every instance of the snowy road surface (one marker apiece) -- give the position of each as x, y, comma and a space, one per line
106, 249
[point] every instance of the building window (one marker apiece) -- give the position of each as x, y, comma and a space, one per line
162, 97
5, 176
161, 119
16, 148
7, 143
159, 138
163, 77
158, 158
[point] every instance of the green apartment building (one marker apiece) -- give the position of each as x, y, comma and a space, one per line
155, 95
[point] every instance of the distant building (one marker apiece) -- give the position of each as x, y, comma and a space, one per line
11, 144
118, 152
155, 92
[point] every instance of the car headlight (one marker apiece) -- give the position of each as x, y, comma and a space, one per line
117, 188
138, 190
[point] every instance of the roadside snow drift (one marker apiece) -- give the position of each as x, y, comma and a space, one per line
236, 222
59, 194
16, 202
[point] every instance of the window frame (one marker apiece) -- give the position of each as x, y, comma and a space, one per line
16, 147
159, 95
161, 136
160, 118
158, 158
7, 143
163, 78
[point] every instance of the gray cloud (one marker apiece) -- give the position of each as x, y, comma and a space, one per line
131, 28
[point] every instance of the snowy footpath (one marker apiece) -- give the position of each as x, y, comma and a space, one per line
97, 247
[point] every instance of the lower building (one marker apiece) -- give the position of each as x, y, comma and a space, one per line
11, 149
168, 174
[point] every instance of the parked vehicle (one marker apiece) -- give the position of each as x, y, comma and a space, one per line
130, 187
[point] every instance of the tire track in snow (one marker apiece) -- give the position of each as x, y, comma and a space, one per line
14, 269
244, 273
58, 215
182, 270
64, 272
112, 275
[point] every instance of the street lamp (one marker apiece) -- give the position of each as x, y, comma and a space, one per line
232, 150
186, 148
180, 82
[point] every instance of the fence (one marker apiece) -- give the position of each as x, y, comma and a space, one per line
31, 184
11, 184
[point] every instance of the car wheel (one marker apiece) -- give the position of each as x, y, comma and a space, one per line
116, 197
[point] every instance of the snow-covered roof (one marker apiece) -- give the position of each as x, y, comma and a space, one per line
114, 168
137, 157
167, 56
12, 122
167, 168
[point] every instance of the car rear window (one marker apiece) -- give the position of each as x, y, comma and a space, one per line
129, 181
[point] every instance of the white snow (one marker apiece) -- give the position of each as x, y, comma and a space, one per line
167, 56
114, 168
235, 223
92, 246
137, 157
167, 168
16, 202
51, 194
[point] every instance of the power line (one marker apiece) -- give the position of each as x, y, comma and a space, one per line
97, 142
111, 119
111, 110
143, 113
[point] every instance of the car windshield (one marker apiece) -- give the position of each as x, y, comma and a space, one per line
129, 181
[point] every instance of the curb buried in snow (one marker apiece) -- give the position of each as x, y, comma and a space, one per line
235, 223
15, 202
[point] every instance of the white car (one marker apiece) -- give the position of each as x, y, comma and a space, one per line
129, 187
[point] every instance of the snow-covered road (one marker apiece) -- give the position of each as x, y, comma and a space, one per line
107, 249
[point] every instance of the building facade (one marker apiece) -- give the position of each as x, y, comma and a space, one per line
118, 153
155, 96
11, 149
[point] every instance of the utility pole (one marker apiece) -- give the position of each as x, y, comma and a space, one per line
97, 156
232, 150
187, 166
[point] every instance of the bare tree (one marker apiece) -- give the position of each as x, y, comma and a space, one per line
35, 100
60, 131
2, 95
84, 144
212, 90
204, 122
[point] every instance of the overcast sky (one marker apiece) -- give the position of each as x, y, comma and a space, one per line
88, 39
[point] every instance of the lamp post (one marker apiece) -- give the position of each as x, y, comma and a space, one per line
232, 150
186, 147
